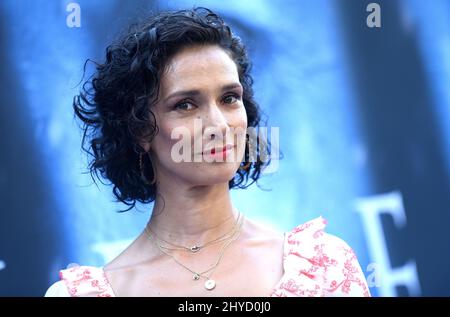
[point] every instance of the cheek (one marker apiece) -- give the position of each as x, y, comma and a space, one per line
240, 117
163, 142
240, 122
243, 119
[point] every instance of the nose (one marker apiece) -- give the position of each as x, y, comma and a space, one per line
216, 123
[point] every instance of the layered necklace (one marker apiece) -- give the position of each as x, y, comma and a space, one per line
228, 237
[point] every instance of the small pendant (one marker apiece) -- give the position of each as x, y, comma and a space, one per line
196, 277
195, 248
210, 285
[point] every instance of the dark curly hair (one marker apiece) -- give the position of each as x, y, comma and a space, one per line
114, 104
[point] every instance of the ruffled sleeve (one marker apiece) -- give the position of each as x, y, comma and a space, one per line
86, 281
319, 264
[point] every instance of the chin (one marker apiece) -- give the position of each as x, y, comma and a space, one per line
214, 174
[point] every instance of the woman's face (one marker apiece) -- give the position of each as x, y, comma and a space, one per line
199, 108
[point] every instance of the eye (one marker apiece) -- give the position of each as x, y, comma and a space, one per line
231, 98
184, 105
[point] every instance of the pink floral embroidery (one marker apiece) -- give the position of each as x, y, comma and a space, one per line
319, 264
86, 281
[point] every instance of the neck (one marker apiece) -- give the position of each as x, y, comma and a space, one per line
192, 214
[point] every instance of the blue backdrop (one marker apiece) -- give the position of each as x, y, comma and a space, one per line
363, 114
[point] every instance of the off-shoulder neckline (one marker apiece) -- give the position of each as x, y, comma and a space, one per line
286, 236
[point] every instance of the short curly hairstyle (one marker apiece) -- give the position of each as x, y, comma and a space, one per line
114, 104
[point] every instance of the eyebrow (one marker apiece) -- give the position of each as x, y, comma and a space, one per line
196, 92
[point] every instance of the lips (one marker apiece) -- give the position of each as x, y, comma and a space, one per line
219, 149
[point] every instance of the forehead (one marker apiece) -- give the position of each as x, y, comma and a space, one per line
199, 65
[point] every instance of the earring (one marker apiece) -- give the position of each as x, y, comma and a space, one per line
141, 168
245, 166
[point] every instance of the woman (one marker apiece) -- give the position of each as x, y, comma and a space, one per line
178, 85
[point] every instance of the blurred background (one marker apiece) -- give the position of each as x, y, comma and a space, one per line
358, 89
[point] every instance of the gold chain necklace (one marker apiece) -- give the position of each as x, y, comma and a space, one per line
196, 247
210, 284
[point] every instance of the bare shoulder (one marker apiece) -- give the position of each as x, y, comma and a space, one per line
130, 256
259, 228
258, 231
123, 271
119, 261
